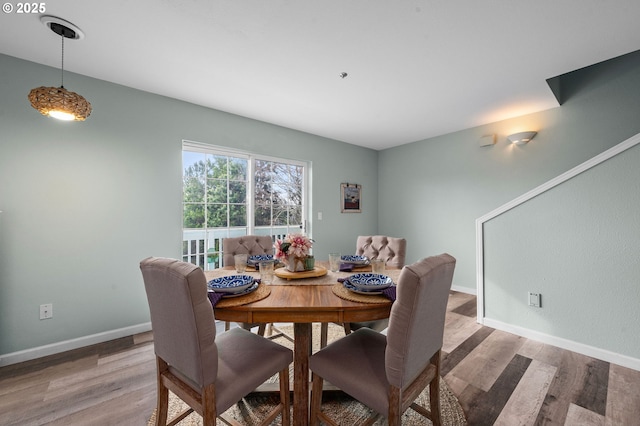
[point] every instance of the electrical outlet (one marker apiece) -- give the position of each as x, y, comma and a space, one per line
319, 215
534, 300
46, 311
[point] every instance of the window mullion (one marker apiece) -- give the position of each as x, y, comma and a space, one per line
250, 199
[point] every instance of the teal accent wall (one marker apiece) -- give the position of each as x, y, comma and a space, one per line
432, 191
84, 202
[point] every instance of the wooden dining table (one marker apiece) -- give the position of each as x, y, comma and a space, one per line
302, 302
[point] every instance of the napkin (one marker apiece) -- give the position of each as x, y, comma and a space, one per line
346, 267
214, 298
390, 293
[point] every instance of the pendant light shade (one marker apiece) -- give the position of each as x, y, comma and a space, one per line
58, 102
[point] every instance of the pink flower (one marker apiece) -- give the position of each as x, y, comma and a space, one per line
297, 245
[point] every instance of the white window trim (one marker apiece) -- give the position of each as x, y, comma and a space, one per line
206, 148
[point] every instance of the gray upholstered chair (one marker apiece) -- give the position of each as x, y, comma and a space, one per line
249, 244
393, 251
387, 373
208, 372
390, 249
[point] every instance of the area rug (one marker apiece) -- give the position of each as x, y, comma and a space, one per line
347, 411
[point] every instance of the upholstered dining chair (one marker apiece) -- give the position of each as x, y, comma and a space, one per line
251, 245
387, 373
208, 372
390, 249
248, 244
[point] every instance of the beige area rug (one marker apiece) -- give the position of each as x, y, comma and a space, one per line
340, 407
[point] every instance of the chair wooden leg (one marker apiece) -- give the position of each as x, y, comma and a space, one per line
284, 397
434, 391
209, 413
316, 399
395, 407
162, 404
261, 329
324, 333
347, 328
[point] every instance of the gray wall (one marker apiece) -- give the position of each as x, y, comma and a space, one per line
83, 203
448, 182
577, 245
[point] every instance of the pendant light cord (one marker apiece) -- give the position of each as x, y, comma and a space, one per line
62, 67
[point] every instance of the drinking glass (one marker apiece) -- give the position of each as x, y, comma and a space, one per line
240, 261
266, 272
334, 262
377, 266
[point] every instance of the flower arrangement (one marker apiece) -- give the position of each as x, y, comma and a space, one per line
292, 250
297, 245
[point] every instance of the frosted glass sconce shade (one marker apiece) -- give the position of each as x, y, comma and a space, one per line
521, 138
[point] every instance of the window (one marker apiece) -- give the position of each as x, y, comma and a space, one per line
230, 194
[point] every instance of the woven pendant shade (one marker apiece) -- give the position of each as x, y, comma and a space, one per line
59, 103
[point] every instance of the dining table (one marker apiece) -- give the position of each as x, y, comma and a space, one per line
317, 298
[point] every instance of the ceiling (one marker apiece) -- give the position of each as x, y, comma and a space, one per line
415, 69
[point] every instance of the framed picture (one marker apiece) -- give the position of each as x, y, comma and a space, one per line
350, 197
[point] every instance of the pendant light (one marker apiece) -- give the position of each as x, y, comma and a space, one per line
58, 102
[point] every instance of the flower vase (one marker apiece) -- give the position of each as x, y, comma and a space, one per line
295, 264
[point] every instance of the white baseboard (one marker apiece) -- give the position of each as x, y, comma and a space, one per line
581, 348
467, 290
66, 345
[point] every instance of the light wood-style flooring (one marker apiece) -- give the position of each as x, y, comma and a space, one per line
499, 378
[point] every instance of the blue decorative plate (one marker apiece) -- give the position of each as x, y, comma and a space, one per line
230, 283
257, 258
355, 259
354, 289
370, 281
247, 290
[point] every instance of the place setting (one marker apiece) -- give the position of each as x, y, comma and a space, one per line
366, 287
245, 262
350, 262
234, 290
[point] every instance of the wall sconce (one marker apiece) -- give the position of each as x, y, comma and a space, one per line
522, 137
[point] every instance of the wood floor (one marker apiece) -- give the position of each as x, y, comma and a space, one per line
499, 378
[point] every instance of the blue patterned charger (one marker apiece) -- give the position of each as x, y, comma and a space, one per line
247, 290
257, 258
230, 283
355, 259
370, 281
355, 289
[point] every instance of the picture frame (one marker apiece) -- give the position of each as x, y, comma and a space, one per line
350, 198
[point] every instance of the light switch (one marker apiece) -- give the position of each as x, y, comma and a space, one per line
534, 299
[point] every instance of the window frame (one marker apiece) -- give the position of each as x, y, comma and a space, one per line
201, 252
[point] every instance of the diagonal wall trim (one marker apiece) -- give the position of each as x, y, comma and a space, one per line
611, 152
